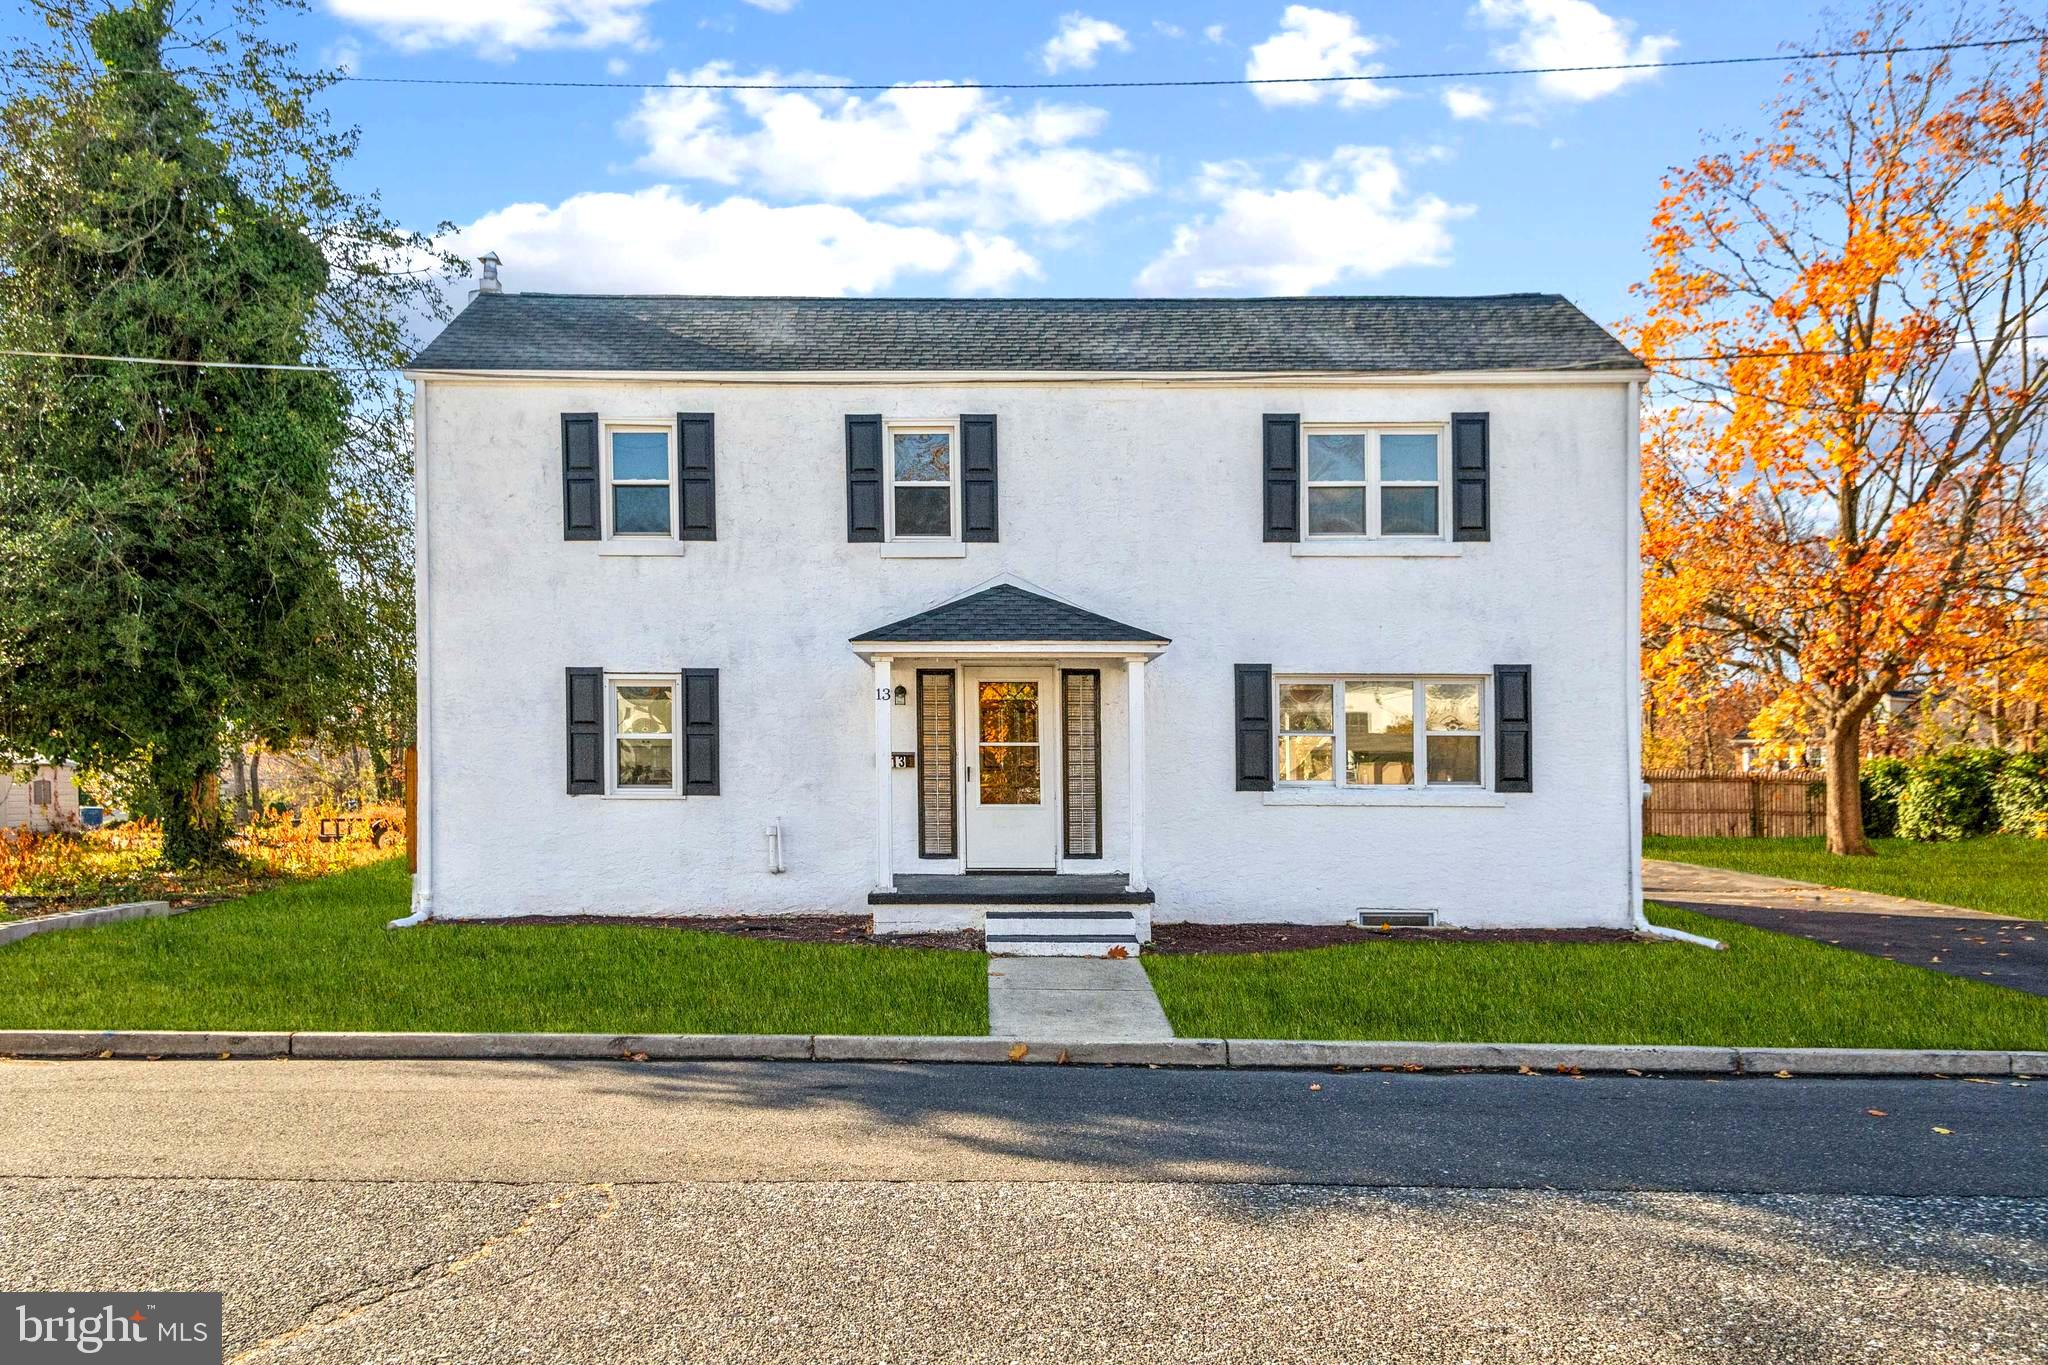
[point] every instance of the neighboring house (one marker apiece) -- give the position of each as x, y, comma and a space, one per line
1223, 610
41, 796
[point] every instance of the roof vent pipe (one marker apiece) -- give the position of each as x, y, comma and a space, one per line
489, 283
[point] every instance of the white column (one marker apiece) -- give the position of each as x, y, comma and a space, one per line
885, 680
1134, 735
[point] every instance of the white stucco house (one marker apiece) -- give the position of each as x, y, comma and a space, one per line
1058, 616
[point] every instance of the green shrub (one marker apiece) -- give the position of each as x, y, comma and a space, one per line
1949, 795
2019, 795
1883, 782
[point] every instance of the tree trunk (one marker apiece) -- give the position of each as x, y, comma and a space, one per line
255, 785
185, 784
243, 810
1845, 787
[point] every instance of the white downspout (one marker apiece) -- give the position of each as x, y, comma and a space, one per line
423, 677
1632, 651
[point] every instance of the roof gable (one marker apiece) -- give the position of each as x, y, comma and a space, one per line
1006, 613
699, 334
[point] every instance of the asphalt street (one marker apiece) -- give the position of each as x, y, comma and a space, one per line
606, 1212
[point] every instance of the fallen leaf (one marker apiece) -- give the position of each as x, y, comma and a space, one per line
108, 1053
1875, 1113
1315, 1085
1525, 1071
1118, 951
1979, 1080
639, 1056
1017, 1051
226, 1055
1946, 1132
1632, 1071
1411, 1066
1062, 1059
1784, 1075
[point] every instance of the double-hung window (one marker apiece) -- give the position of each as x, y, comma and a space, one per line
1380, 732
923, 481
641, 719
640, 472
1375, 482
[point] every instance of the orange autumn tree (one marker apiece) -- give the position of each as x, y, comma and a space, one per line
1846, 320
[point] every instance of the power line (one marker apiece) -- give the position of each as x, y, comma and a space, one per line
1476, 73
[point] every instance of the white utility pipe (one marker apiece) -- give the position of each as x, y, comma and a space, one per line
1632, 651
423, 695
775, 846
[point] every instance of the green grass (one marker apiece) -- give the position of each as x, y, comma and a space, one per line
2002, 873
316, 955
1765, 990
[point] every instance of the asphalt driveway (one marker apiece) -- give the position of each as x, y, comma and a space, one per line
1941, 938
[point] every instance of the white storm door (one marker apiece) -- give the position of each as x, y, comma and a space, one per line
1012, 762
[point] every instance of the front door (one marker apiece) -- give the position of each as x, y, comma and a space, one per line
1011, 767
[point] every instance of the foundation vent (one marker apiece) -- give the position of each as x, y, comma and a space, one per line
1369, 918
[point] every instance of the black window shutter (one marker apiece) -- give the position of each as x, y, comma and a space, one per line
1471, 518
1511, 709
586, 732
1254, 727
978, 478
863, 478
700, 732
582, 519
1282, 459
697, 476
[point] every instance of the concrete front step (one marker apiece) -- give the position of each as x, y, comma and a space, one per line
1079, 932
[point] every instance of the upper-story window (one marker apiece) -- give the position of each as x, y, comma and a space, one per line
1375, 481
924, 481
1380, 732
640, 473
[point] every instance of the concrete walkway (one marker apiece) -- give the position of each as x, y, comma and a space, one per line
1941, 938
1095, 1000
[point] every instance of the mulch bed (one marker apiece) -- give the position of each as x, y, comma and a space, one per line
784, 928
1276, 938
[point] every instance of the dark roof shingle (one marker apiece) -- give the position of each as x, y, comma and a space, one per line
1006, 613
625, 333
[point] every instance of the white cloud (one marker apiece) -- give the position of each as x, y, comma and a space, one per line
658, 241
1335, 222
1167, 30
1317, 42
1078, 40
1572, 33
499, 28
774, 6
1466, 101
1214, 33
939, 153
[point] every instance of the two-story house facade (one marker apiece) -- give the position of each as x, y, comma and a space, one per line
1219, 610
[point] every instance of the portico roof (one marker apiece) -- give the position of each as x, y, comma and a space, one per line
1007, 614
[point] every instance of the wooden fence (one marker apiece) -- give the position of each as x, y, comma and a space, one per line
1734, 805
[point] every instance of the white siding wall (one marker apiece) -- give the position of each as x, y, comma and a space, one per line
17, 792
1141, 502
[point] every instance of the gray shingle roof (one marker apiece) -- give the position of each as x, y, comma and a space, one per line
609, 332
1007, 612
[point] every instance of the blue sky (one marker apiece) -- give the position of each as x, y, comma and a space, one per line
1444, 187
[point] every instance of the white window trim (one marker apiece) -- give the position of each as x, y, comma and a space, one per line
612, 683
891, 429
1372, 483
647, 424
1340, 761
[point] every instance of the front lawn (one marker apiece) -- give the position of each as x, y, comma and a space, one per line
315, 955
2000, 873
1765, 990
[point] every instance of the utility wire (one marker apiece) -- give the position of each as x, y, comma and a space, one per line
1476, 73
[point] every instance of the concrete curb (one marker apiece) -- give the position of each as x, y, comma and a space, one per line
1235, 1054
14, 930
